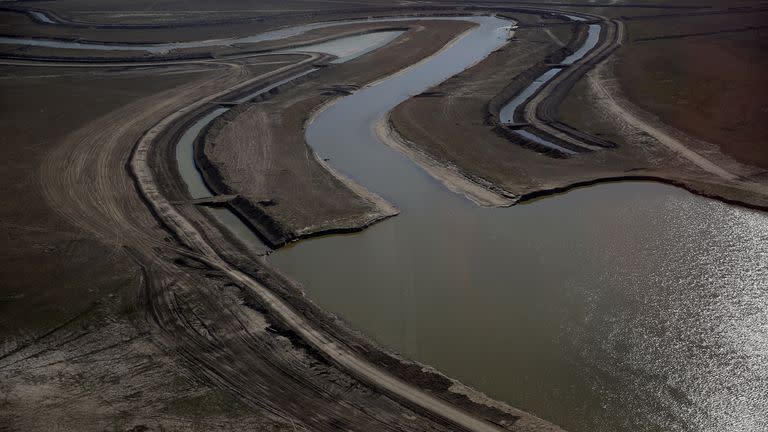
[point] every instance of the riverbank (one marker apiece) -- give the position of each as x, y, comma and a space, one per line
521, 168
529, 269
259, 280
206, 352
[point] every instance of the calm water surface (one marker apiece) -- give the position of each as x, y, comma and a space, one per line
629, 306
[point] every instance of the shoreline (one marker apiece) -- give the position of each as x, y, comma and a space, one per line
551, 96
276, 231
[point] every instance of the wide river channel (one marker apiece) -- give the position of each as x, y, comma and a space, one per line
620, 307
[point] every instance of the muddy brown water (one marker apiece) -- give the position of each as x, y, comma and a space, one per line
626, 306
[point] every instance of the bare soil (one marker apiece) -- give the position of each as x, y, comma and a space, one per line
101, 315
711, 87
109, 321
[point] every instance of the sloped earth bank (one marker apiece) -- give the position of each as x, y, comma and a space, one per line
193, 311
628, 306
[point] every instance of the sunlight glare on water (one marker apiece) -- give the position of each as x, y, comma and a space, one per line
695, 318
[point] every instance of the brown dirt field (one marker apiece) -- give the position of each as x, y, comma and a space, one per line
260, 152
140, 11
112, 312
75, 338
219, 52
108, 322
207, 28
710, 87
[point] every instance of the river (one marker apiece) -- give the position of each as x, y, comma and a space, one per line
628, 306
